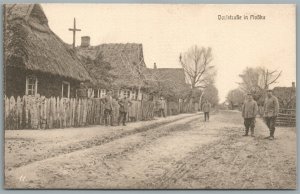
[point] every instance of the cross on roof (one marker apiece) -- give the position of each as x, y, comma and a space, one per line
74, 29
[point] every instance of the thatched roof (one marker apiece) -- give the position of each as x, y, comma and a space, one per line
30, 44
172, 75
126, 60
171, 81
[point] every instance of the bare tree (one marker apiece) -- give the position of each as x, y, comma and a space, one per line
268, 77
258, 78
196, 63
257, 81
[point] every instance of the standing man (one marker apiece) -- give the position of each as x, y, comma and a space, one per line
108, 105
271, 109
249, 111
124, 103
162, 105
206, 109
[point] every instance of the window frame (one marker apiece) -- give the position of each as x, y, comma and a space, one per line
62, 89
27, 85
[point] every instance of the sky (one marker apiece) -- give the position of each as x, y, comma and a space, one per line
166, 30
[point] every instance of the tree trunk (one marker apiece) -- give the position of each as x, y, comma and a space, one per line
200, 100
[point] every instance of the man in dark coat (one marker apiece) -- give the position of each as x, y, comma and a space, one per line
124, 103
271, 109
206, 109
249, 112
108, 106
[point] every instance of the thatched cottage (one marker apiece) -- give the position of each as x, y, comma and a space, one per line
36, 60
124, 63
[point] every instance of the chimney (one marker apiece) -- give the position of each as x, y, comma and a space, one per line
154, 66
85, 41
293, 84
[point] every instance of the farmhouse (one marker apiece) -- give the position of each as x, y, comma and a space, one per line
124, 64
37, 61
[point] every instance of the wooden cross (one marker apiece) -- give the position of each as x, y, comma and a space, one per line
74, 32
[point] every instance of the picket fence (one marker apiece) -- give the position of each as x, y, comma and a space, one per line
31, 112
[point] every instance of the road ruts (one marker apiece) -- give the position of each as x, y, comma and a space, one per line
86, 144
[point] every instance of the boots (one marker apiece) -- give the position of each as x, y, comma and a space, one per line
246, 132
272, 134
252, 132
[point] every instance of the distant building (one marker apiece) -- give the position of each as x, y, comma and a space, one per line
286, 96
37, 61
173, 80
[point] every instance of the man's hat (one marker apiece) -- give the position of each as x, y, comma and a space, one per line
269, 90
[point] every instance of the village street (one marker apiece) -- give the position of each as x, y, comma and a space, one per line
180, 151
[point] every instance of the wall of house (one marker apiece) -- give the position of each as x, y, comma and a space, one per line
48, 85
52, 86
14, 82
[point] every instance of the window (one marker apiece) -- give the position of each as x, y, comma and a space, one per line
123, 93
90, 93
96, 93
133, 95
65, 89
127, 93
31, 85
102, 93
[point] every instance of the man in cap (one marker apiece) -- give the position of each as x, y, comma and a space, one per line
271, 109
249, 111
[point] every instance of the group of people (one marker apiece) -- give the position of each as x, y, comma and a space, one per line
250, 110
124, 104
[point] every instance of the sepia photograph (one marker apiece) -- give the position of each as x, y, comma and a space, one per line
149, 96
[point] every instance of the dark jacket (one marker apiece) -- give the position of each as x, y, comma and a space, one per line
162, 104
108, 102
206, 107
124, 105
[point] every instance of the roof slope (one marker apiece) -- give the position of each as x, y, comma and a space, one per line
126, 60
174, 75
171, 82
30, 44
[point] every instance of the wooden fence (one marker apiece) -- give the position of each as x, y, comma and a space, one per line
46, 113
286, 117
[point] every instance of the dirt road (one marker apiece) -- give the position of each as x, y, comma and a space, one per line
183, 153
